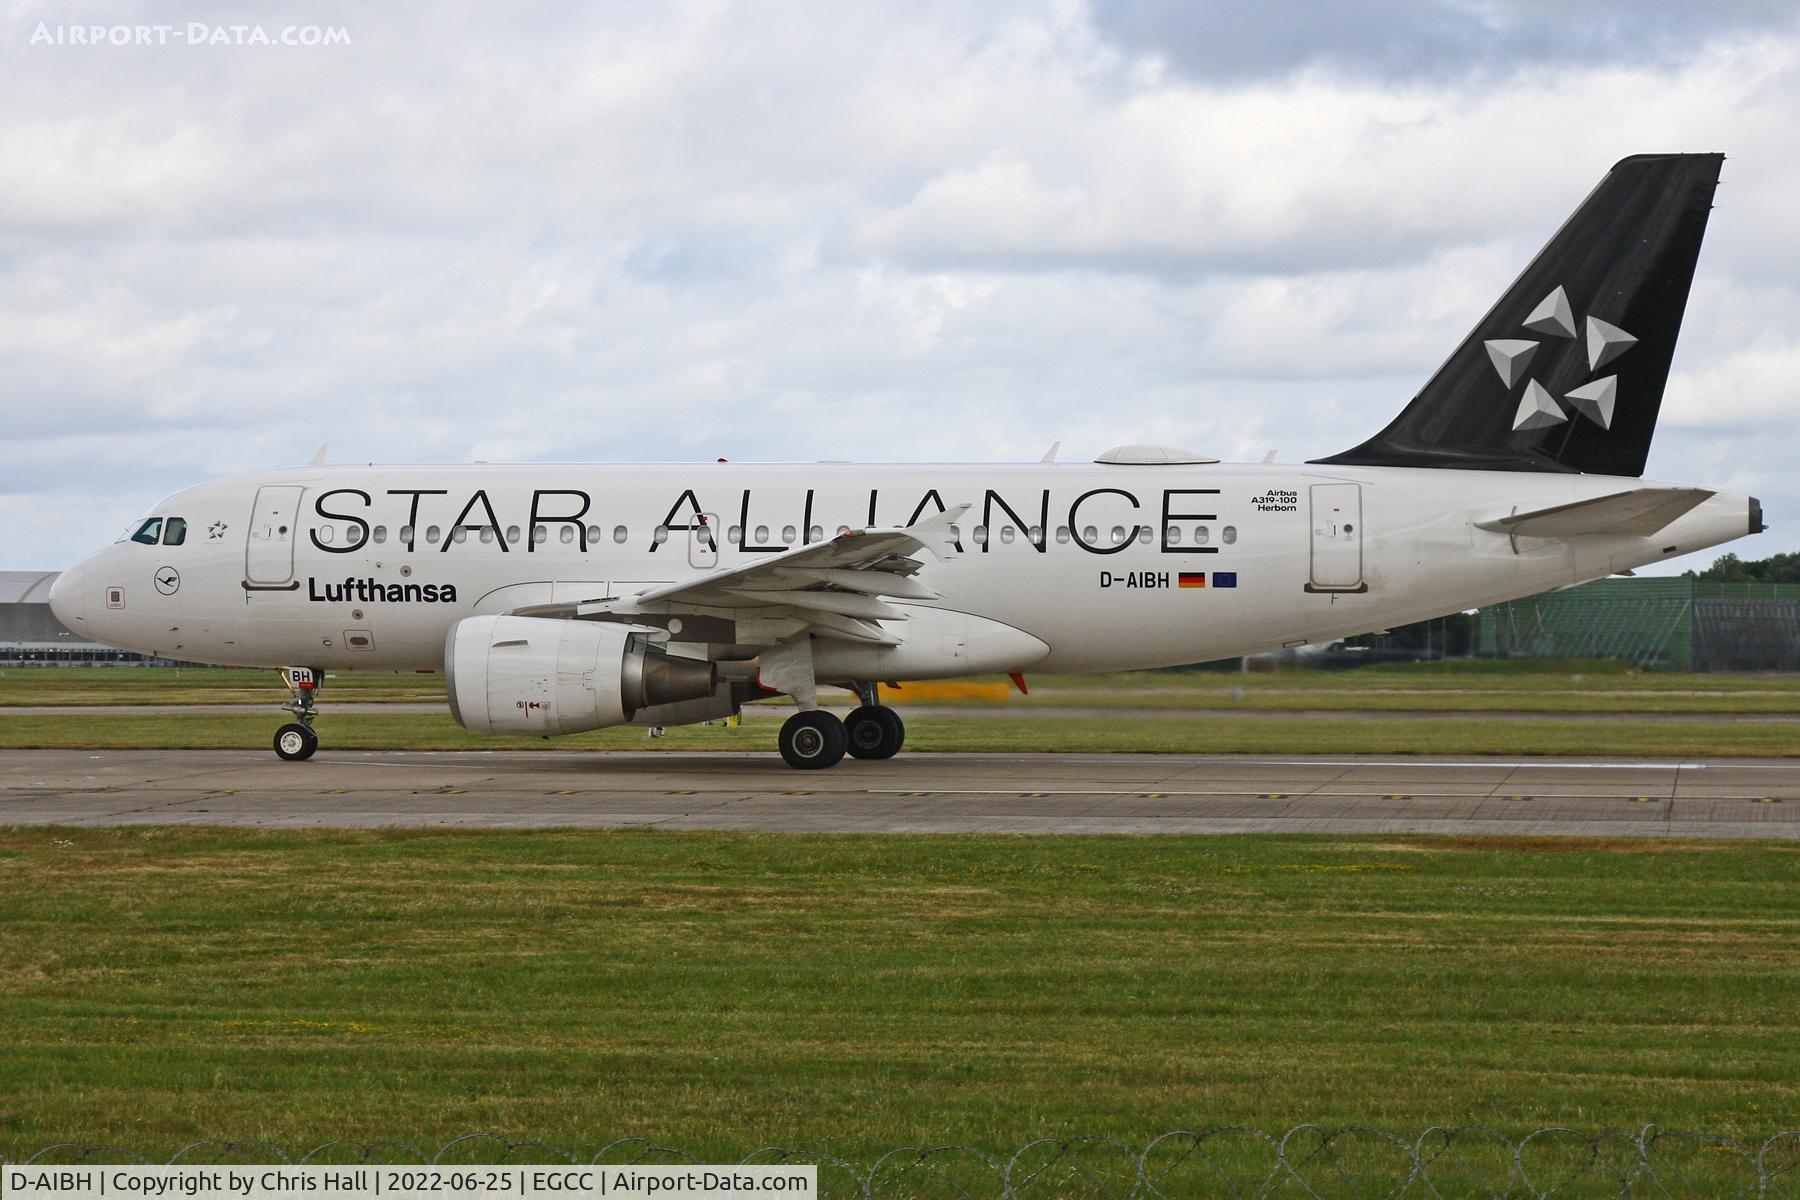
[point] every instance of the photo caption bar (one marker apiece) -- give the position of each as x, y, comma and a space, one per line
241, 1182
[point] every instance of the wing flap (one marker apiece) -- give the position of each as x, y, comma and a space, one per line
1639, 512
836, 588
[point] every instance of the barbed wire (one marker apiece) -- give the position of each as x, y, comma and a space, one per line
1231, 1162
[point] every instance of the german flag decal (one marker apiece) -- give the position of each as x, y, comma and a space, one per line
1192, 579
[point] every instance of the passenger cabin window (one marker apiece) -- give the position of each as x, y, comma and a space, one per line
1229, 533
620, 533
380, 534
175, 531
567, 534
150, 532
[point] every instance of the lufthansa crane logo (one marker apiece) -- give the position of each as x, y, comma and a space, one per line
167, 580
1538, 409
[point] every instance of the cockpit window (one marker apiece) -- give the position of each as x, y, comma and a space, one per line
148, 532
175, 532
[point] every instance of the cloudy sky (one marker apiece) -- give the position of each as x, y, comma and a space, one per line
669, 231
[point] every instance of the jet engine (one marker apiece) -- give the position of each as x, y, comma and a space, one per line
526, 675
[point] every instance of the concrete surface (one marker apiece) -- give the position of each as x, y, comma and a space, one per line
915, 793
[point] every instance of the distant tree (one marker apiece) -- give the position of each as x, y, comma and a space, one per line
1729, 568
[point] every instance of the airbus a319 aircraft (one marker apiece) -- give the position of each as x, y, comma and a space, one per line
558, 599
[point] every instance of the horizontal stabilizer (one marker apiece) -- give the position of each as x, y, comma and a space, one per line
1637, 513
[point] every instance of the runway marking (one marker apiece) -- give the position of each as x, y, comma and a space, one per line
1177, 794
1519, 765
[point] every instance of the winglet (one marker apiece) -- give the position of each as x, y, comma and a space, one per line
938, 533
1050, 454
318, 460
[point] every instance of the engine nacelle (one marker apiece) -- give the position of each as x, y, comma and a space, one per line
525, 675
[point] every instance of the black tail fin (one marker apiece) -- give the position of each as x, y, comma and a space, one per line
1566, 372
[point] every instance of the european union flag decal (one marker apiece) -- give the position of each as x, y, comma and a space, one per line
1224, 579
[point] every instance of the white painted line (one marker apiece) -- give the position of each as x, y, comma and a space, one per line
920, 793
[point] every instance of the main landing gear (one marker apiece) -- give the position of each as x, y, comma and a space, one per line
815, 739
296, 741
875, 731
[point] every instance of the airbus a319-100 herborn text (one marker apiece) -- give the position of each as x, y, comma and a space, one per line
558, 599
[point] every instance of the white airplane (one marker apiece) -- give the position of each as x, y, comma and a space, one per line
558, 599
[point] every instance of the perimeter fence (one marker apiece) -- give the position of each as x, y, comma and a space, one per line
1228, 1162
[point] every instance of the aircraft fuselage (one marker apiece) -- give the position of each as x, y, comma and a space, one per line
1102, 567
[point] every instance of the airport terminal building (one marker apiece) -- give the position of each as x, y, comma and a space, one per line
30, 634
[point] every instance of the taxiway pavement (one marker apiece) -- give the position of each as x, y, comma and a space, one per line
914, 793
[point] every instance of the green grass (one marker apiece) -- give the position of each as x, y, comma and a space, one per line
978, 731
1465, 685
721, 992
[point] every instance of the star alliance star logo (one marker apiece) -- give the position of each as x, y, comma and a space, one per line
216, 532
1538, 409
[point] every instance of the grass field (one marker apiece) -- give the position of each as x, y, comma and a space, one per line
722, 992
979, 731
1471, 685
1132, 712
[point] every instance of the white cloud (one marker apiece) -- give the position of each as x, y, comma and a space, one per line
773, 232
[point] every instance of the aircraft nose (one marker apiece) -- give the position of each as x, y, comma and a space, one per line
68, 597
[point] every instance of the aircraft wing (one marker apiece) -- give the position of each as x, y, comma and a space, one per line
837, 588
1639, 512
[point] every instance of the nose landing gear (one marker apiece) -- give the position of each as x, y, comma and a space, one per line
296, 741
